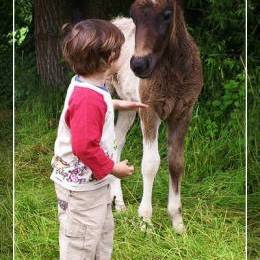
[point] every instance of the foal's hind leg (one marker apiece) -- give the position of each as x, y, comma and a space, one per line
124, 122
176, 133
150, 123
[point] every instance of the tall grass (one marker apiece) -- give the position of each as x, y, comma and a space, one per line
212, 190
253, 161
6, 183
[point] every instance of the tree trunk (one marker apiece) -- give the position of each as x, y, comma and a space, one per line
49, 16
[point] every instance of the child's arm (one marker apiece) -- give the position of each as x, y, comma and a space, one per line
127, 105
122, 169
85, 117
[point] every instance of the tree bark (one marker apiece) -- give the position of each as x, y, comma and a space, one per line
49, 16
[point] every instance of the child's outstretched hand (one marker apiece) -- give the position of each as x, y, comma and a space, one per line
122, 169
127, 105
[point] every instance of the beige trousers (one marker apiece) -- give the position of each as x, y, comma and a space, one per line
86, 224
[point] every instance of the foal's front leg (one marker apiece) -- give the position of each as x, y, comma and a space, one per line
124, 122
150, 123
176, 133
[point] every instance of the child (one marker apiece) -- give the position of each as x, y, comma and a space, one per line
84, 161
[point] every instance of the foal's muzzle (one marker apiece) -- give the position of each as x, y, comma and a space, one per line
141, 66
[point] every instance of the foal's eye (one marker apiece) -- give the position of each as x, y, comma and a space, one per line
167, 15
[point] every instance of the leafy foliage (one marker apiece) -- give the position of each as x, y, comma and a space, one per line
6, 64
253, 96
218, 27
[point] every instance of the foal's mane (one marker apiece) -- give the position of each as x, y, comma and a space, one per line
179, 30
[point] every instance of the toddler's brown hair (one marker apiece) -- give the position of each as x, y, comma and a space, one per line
90, 45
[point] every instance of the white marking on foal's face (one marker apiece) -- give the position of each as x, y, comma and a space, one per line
141, 52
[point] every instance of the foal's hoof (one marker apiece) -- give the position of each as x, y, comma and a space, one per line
179, 228
146, 226
120, 207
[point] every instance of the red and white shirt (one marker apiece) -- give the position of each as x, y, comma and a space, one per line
85, 150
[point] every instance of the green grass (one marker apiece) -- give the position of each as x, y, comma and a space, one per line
212, 190
6, 179
253, 162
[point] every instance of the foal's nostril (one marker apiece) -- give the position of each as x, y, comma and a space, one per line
139, 65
